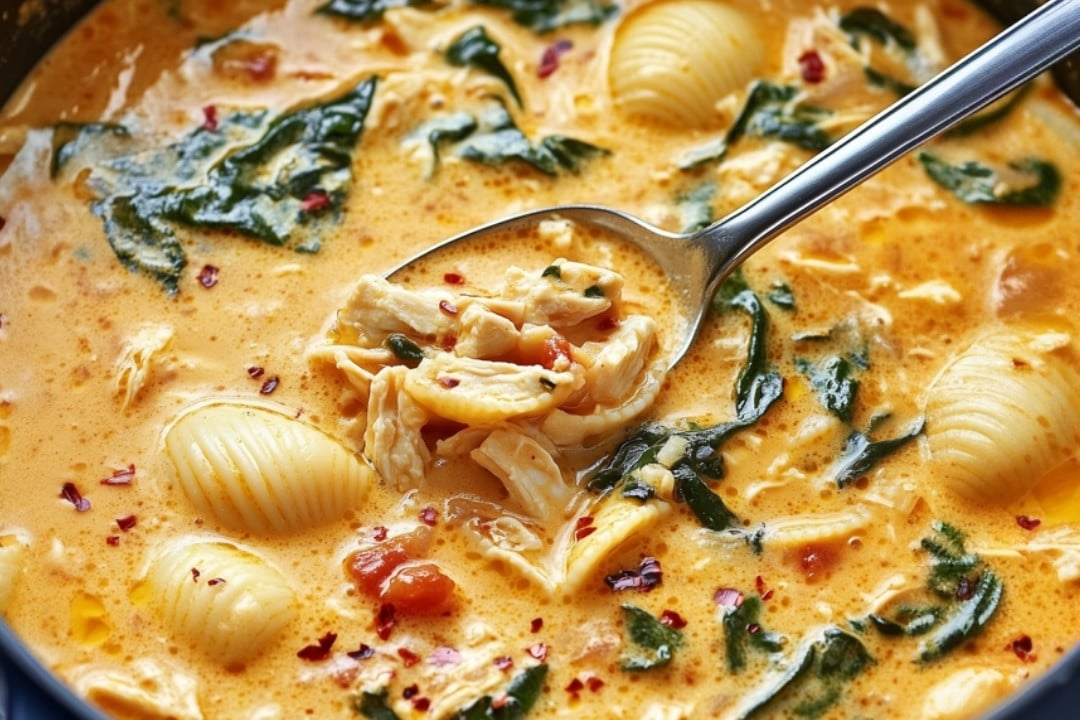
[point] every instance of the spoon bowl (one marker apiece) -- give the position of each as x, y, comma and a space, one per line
696, 263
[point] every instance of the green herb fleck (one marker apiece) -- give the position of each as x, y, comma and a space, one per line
542, 16
593, 291
552, 271
366, 11
405, 349
654, 642
781, 295
375, 705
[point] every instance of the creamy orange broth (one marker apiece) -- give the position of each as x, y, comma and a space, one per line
900, 266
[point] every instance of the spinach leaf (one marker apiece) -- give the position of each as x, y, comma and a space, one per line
875, 24
515, 702
835, 383
69, 138
757, 388
474, 48
976, 183
781, 295
247, 176
861, 454
770, 111
695, 206
542, 16
374, 705
968, 595
813, 681
655, 642
499, 140
366, 11
743, 630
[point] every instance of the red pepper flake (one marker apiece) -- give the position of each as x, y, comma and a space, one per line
315, 201
759, 585
195, 574
429, 516
126, 523
575, 687
503, 662
384, 621
594, 684
318, 652
538, 651
964, 589
71, 493
1023, 647
584, 527
210, 118
113, 541
255, 372
449, 383
212, 582
379, 533
444, 656
536, 624
208, 276
453, 278
448, 307
1027, 522
753, 628
421, 704
410, 692
408, 656
120, 477
549, 61
672, 619
362, 653
811, 67
728, 597
270, 385
448, 343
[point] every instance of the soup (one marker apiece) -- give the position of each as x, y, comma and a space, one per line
244, 475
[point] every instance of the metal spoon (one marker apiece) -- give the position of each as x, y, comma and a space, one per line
698, 262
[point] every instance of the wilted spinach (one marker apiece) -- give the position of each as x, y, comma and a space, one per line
542, 16
861, 454
835, 383
743, 631
366, 10
976, 183
475, 48
654, 642
514, 703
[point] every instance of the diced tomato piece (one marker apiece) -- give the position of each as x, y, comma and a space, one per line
372, 566
418, 588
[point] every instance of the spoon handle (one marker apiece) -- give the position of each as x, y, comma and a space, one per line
1010, 59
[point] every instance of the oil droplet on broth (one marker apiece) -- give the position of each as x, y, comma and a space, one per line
89, 620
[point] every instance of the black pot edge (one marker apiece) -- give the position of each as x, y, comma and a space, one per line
22, 43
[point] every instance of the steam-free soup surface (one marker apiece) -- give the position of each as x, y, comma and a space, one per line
861, 493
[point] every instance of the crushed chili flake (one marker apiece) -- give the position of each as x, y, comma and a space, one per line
584, 527
811, 67
208, 276
410, 692
270, 385
379, 533
112, 540
448, 343
408, 656
126, 523
1022, 647
315, 201
71, 493
3, 222
538, 651
728, 597
503, 662
964, 589
536, 624
215, 581
453, 278
753, 628
210, 118
362, 653
549, 60
759, 585
384, 621
448, 307
575, 686
429, 516
672, 619
120, 477
444, 656
421, 704
320, 651
1027, 522
255, 372
448, 382
195, 574
594, 683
